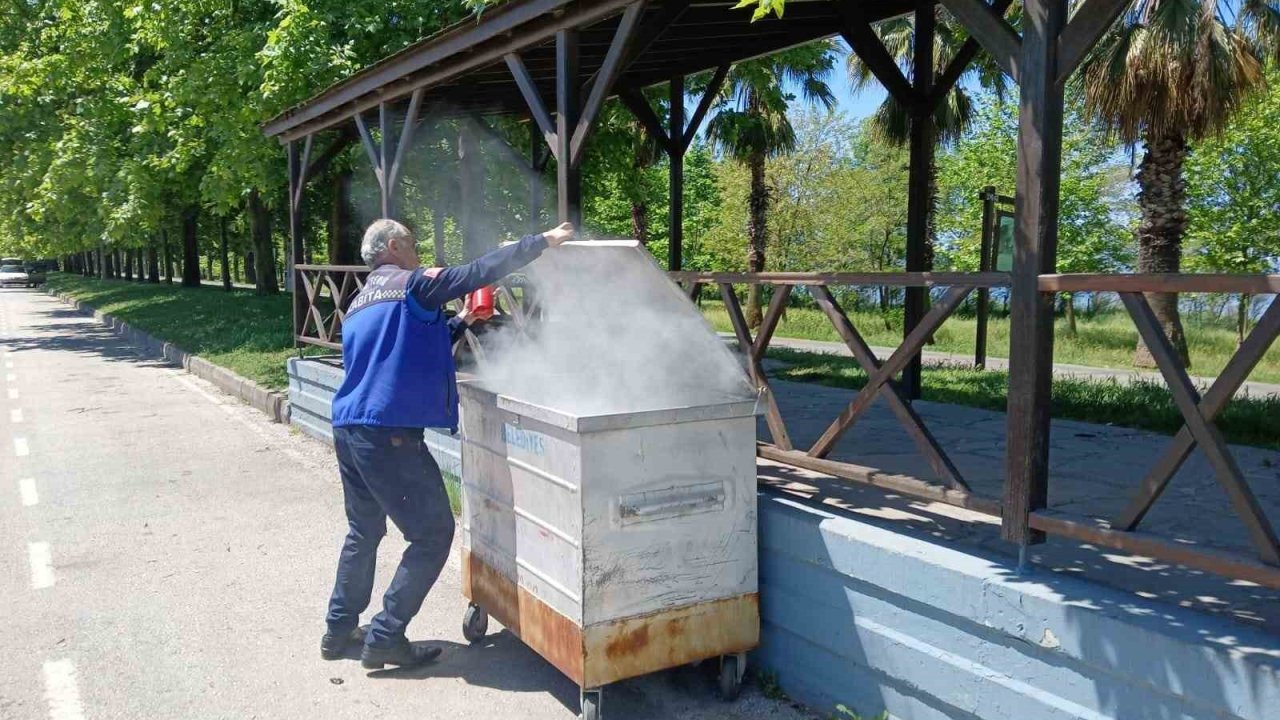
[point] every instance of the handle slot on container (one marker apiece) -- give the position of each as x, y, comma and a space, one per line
671, 502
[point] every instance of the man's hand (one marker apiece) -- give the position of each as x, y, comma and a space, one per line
559, 234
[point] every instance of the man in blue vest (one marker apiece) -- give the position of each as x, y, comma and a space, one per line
396, 348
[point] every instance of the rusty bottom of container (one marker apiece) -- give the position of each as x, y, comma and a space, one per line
620, 649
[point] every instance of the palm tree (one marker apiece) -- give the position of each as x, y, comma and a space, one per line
891, 122
1172, 72
751, 125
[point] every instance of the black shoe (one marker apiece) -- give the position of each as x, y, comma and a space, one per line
335, 646
402, 653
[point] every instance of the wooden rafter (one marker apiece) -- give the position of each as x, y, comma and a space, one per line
989, 28
866, 44
609, 70
1091, 20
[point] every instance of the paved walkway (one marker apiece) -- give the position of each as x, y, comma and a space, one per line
1093, 471
166, 552
1256, 389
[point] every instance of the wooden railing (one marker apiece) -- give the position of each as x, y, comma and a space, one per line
325, 291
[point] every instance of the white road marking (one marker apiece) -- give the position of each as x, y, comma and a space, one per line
27, 488
13, 393
20, 447
41, 565
61, 691
15, 415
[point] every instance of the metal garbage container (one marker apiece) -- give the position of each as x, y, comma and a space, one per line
614, 545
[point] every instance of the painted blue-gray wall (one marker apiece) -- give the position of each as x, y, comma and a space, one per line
859, 615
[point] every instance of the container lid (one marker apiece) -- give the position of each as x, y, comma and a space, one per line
730, 408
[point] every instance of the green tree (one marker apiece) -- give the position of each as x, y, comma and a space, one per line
1172, 72
751, 125
891, 121
1233, 197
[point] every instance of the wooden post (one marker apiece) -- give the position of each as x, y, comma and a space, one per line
675, 153
988, 198
535, 177
919, 184
296, 180
386, 146
470, 193
568, 108
1035, 251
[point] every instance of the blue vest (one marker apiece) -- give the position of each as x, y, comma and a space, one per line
398, 359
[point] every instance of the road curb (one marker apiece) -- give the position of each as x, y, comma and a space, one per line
275, 405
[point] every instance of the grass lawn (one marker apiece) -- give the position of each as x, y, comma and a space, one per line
238, 330
1144, 405
251, 335
1103, 341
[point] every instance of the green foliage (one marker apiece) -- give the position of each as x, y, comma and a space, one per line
1096, 214
1233, 192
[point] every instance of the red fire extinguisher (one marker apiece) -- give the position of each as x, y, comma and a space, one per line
479, 303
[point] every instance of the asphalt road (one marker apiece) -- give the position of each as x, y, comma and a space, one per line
166, 552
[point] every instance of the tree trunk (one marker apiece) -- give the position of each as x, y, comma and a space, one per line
1161, 201
128, 265
263, 252
342, 238
250, 273
226, 260
191, 247
1242, 317
153, 262
1070, 300
108, 267
757, 234
168, 261
640, 221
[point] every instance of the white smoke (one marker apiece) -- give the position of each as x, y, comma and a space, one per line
615, 335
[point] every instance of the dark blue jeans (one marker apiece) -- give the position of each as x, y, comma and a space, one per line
388, 472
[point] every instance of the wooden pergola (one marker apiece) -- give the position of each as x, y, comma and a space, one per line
556, 63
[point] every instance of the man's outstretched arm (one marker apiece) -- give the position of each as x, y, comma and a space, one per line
456, 281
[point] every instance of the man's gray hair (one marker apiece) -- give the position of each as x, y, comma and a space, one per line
376, 238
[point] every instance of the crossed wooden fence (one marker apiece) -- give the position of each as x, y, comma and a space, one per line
326, 290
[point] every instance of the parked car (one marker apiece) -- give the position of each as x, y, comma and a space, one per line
15, 276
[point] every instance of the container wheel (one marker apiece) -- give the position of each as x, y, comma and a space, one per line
475, 623
593, 704
732, 668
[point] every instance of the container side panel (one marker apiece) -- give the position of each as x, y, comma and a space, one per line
669, 517
627, 648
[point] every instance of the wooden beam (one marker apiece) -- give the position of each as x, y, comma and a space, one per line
866, 44
568, 176
875, 477
1035, 251
1219, 394
675, 175
339, 144
896, 362
1157, 548
960, 62
406, 136
704, 104
367, 140
910, 421
304, 164
773, 416
990, 29
387, 144
1206, 435
1091, 20
533, 98
640, 109
1162, 282
608, 73
892, 279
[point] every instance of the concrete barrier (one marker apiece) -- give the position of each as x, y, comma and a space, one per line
859, 615
274, 405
